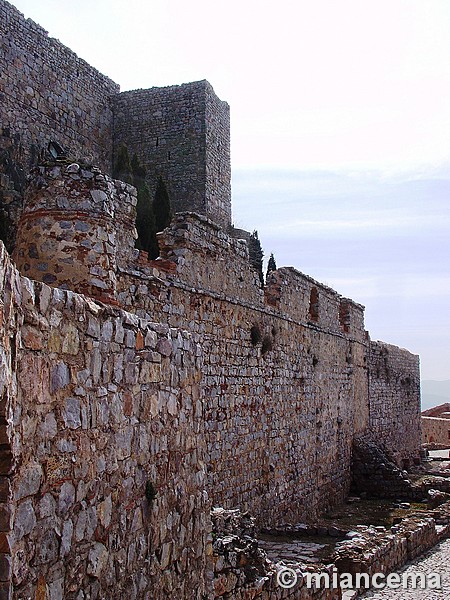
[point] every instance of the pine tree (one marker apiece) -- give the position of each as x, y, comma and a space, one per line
271, 265
161, 206
256, 255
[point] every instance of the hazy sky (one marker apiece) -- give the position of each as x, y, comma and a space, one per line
340, 133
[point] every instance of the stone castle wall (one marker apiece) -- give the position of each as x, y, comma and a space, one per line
284, 395
98, 406
48, 92
256, 407
182, 134
394, 383
189, 380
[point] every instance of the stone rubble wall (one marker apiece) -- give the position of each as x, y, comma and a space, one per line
182, 134
394, 383
206, 257
103, 451
11, 202
257, 406
49, 93
242, 570
374, 550
9, 346
435, 430
307, 300
374, 473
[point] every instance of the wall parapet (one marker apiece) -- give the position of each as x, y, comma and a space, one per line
306, 300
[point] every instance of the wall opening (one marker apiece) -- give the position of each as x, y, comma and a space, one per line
344, 316
314, 304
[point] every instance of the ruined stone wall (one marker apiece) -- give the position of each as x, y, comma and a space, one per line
307, 300
282, 397
266, 393
48, 92
182, 134
207, 258
100, 410
394, 383
435, 430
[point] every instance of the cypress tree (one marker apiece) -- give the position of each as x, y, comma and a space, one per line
145, 222
256, 255
137, 169
161, 206
151, 217
271, 265
145, 218
122, 169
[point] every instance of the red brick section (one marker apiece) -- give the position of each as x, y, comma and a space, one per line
437, 411
164, 265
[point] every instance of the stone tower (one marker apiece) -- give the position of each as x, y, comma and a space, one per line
76, 229
182, 134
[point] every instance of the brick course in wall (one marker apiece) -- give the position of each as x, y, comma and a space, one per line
77, 227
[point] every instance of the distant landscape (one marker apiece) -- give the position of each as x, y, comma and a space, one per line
435, 393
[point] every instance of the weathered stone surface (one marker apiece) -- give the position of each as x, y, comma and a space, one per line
72, 413
25, 519
29, 481
60, 377
97, 560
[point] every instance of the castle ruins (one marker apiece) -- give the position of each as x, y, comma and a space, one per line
138, 394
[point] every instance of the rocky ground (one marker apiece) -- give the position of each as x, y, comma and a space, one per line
365, 535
